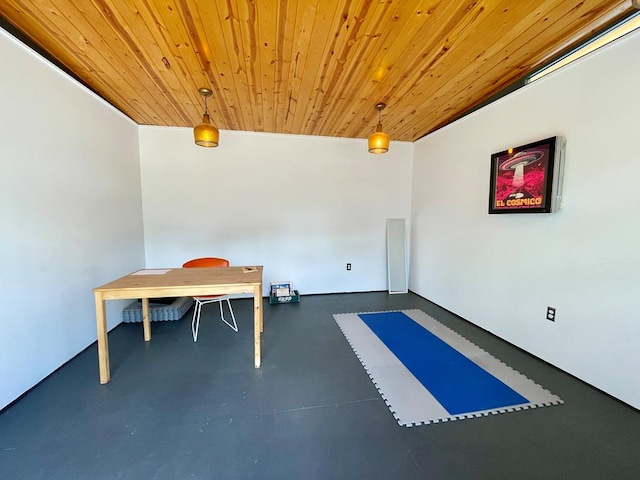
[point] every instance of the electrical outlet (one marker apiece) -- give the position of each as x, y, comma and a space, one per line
348, 266
551, 314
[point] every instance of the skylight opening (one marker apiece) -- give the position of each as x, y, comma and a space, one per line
627, 25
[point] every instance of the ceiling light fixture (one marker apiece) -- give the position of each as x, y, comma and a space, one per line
206, 134
378, 140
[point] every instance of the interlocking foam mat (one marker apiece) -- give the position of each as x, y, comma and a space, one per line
427, 373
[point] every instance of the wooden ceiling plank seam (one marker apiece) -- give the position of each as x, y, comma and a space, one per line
367, 47
271, 64
307, 55
454, 51
442, 90
609, 18
198, 39
238, 26
42, 34
186, 25
254, 66
109, 15
458, 52
355, 26
267, 20
60, 50
125, 65
522, 36
304, 75
261, 25
452, 31
393, 49
304, 26
439, 19
515, 72
91, 45
198, 71
289, 29
145, 28
170, 55
204, 62
298, 42
281, 37
245, 10
220, 72
373, 72
310, 77
337, 35
191, 18
286, 32
331, 60
361, 44
495, 87
233, 40
413, 93
127, 15
575, 32
99, 79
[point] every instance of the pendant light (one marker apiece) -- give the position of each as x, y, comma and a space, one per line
378, 140
206, 134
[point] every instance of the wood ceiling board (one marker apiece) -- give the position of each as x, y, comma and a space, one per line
314, 67
432, 36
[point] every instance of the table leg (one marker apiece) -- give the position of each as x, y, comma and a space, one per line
257, 322
261, 313
146, 323
103, 340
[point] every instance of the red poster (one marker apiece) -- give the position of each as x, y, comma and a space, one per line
521, 178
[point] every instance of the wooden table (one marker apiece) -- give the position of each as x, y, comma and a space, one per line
176, 282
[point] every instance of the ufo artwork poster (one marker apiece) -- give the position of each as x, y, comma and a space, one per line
522, 178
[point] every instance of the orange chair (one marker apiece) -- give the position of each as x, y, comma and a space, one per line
209, 262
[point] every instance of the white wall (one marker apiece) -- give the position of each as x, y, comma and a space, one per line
502, 271
301, 206
70, 214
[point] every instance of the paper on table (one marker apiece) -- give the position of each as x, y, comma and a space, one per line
152, 271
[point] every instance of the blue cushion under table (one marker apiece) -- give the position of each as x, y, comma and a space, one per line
157, 312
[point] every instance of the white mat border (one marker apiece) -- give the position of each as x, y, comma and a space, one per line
538, 396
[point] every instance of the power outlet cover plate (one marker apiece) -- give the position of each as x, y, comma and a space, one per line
551, 314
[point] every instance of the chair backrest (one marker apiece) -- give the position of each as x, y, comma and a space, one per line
206, 262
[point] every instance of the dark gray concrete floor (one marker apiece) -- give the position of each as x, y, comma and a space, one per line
179, 410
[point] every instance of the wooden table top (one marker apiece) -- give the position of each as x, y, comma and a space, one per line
182, 281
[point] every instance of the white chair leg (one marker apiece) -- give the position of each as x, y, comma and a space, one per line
234, 327
195, 321
221, 312
197, 311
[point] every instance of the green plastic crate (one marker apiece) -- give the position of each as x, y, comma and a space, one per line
295, 298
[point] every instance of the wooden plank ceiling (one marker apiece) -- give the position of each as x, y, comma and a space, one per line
314, 67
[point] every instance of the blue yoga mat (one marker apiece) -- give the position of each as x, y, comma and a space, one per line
456, 382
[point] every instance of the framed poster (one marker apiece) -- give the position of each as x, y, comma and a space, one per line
527, 179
